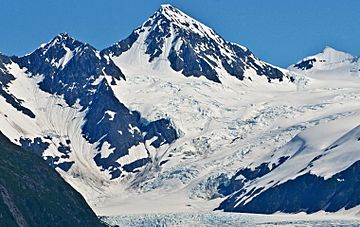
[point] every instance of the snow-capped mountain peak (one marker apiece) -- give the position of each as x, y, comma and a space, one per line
61, 37
57, 52
329, 49
62, 40
330, 55
329, 58
182, 20
67, 64
172, 38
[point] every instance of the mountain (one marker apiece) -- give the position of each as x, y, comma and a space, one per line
175, 118
69, 64
81, 75
328, 59
33, 194
172, 38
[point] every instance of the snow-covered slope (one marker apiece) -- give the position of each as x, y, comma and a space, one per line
175, 118
317, 169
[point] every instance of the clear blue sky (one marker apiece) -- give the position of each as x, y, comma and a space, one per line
278, 31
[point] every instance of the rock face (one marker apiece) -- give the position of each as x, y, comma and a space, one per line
34, 194
192, 48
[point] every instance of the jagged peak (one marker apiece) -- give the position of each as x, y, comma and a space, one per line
171, 11
62, 43
61, 38
65, 41
166, 6
61, 50
191, 47
64, 36
180, 19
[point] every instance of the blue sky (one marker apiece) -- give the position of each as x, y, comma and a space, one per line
278, 31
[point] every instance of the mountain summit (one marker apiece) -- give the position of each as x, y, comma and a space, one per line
328, 59
190, 48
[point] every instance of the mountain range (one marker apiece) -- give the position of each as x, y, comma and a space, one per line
174, 117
